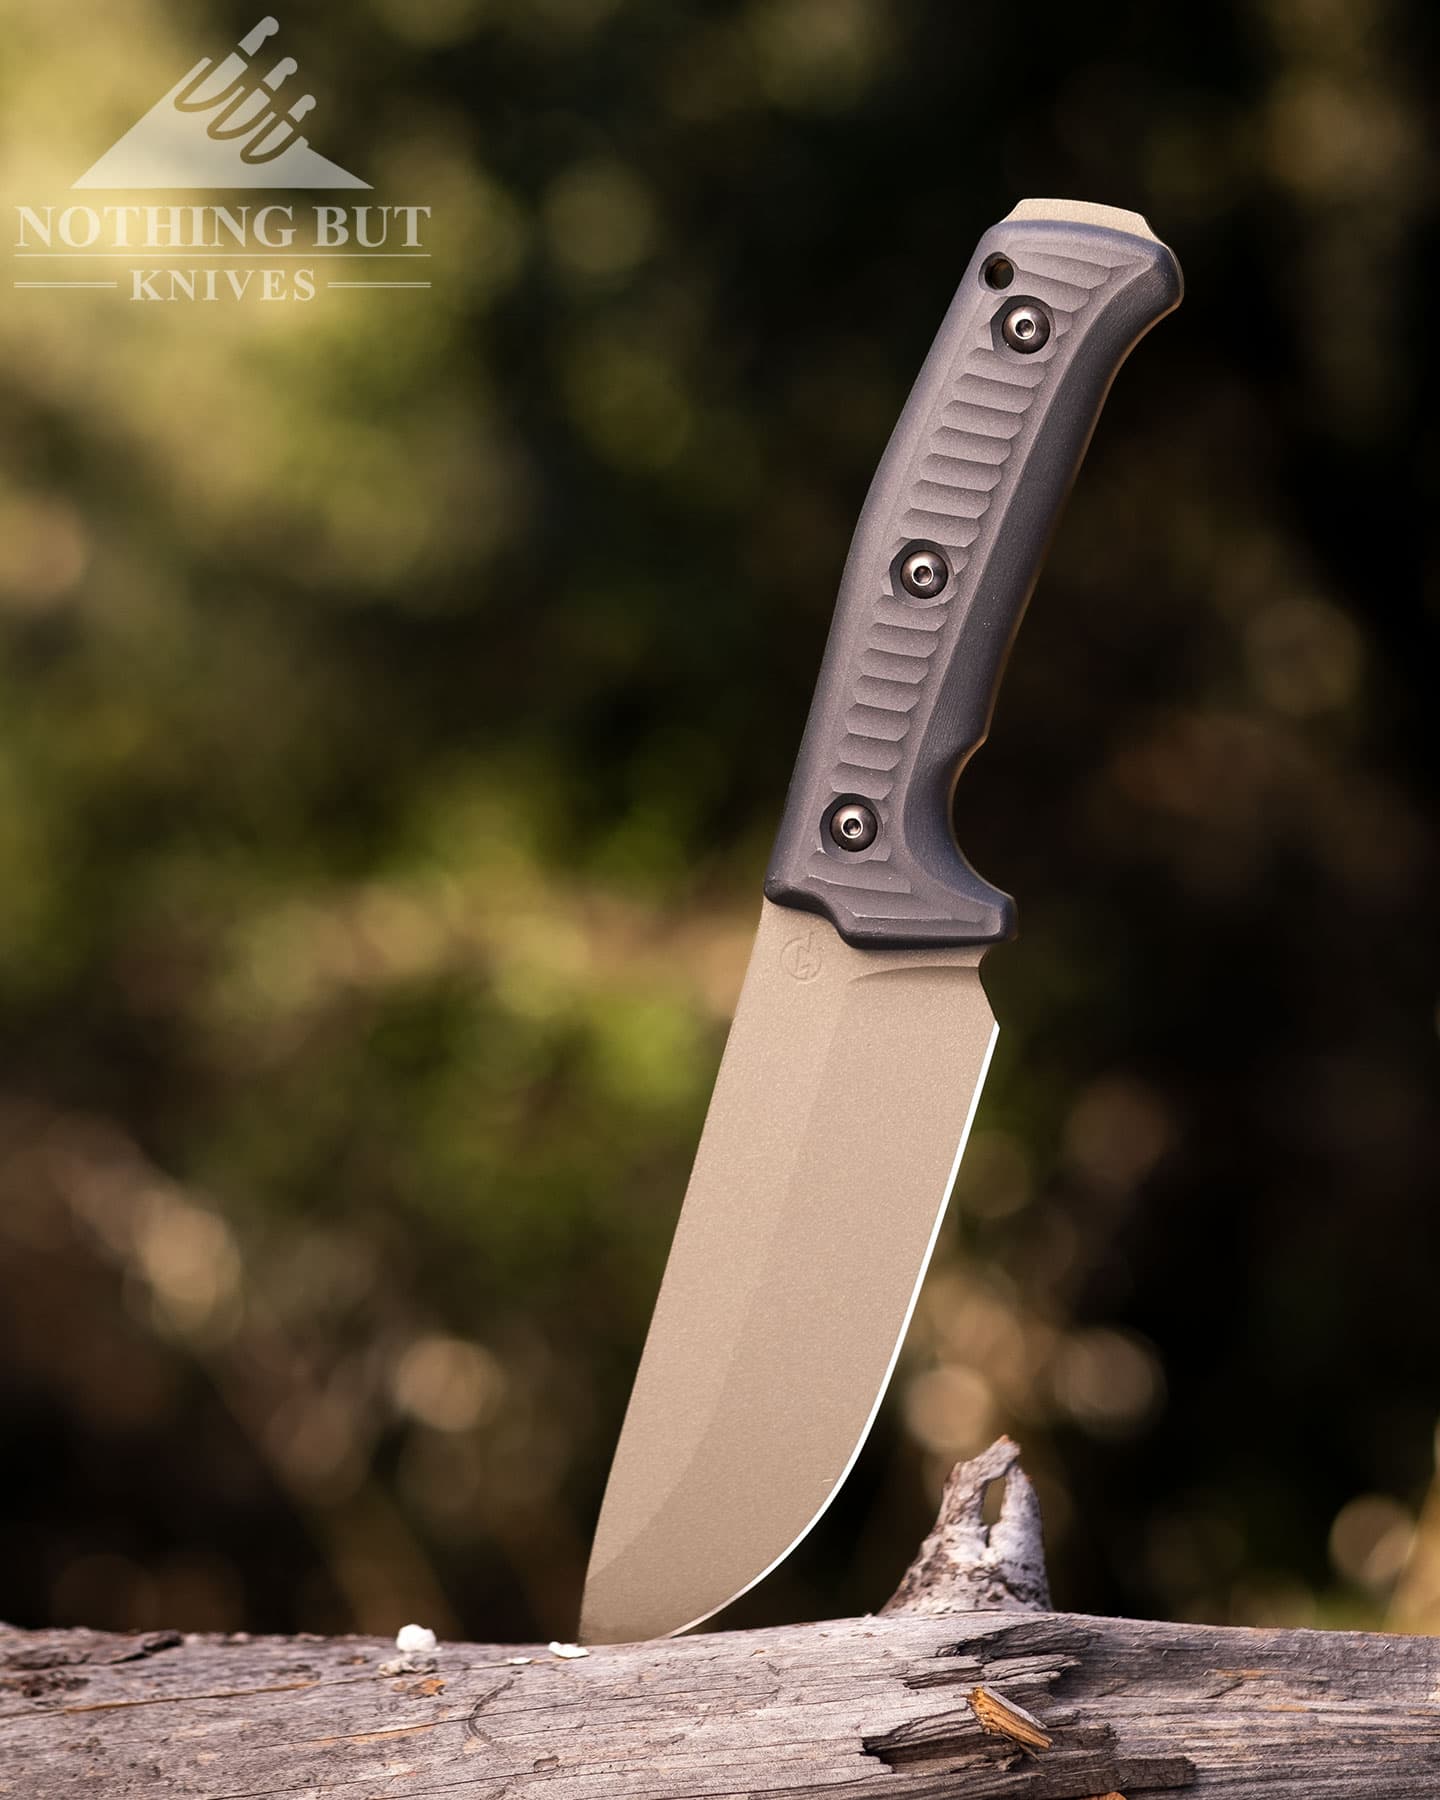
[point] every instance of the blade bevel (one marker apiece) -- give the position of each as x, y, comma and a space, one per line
821, 1180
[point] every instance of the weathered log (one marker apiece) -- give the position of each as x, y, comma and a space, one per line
864, 1709
878, 1708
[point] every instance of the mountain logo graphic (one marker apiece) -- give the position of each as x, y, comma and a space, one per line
224, 125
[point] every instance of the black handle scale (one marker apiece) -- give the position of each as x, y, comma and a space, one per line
977, 470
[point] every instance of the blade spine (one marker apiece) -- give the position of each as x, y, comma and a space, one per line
941, 1210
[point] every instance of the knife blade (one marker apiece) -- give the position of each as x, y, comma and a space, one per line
863, 1035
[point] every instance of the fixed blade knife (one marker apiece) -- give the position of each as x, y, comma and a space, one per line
862, 1036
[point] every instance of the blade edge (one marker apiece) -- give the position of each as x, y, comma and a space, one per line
783, 1181
902, 1334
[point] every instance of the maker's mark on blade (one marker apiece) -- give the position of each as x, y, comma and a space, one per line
849, 1080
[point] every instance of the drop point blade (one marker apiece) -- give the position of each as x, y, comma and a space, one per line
837, 1124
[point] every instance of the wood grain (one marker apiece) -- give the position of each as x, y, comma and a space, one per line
966, 1565
864, 1709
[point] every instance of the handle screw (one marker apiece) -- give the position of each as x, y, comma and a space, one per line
923, 573
853, 826
1025, 328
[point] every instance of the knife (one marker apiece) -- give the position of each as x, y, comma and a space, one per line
862, 1037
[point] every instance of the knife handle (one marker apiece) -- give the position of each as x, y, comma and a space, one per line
944, 558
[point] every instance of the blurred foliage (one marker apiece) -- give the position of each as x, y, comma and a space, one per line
396, 700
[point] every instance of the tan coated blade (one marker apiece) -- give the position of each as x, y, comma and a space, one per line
837, 1123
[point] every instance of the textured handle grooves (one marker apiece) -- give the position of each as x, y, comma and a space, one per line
978, 468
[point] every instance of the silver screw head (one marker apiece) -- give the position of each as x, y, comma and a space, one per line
853, 826
924, 573
1025, 328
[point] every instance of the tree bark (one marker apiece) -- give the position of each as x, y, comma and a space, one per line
859, 1709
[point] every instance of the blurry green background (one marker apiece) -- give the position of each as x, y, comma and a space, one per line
397, 696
